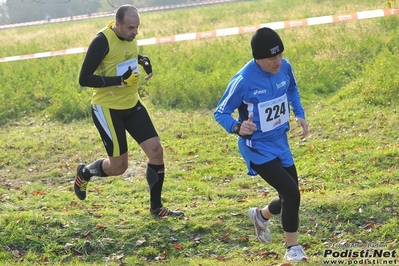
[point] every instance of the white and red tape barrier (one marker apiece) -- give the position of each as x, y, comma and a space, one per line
229, 31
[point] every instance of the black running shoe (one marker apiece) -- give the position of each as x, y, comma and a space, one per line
164, 212
80, 185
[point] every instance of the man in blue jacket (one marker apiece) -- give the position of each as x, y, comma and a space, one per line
263, 92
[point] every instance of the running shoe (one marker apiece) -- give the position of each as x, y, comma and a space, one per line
163, 212
261, 228
80, 185
295, 254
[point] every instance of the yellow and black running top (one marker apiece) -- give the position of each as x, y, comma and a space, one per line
106, 60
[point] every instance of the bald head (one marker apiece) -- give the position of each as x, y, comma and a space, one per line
125, 10
127, 22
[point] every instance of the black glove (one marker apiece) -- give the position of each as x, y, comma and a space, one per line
127, 74
145, 62
129, 78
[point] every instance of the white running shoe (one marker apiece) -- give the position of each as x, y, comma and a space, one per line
295, 254
261, 229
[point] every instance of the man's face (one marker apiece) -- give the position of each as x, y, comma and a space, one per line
271, 64
130, 26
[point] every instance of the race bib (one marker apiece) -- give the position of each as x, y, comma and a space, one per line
273, 113
121, 68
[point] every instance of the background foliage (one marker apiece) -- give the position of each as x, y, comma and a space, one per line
18, 11
192, 74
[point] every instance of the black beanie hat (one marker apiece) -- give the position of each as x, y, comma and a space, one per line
266, 43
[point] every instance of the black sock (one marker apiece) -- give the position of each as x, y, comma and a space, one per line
292, 246
155, 176
95, 169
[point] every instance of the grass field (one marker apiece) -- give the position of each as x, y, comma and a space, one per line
348, 165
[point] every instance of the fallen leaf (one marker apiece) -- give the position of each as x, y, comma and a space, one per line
368, 226
106, 240
244, 239
224, 238
77, 253
68, 246
100, 226
179, 247
16, 253
265, 193
38, 193
221, 258
140, 242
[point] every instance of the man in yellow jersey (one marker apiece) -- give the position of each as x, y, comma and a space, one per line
111, 69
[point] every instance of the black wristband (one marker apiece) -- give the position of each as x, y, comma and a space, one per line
236, 128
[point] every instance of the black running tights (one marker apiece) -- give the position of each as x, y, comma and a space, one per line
285, 181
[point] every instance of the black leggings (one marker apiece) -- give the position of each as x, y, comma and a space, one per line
285, 181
